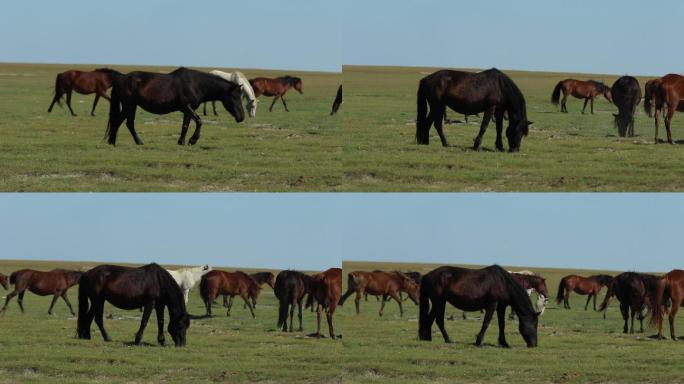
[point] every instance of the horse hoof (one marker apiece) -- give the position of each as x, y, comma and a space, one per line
181, 142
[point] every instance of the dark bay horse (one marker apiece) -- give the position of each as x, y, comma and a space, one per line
290, 289
4, 281
230, 284
56, 283
337, 102
277, 87
666, 95
669, 288
97, 82
325, 290
587, 90
182, 90
634, 291
581, 285
149, 286
490, 91
380, 283
626, 93
491, 288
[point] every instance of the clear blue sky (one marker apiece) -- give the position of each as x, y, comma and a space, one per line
608, 36
316, 231
293, 34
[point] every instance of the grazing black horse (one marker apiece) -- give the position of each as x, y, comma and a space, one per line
626, 93
490, 91
633, 290
491, 288
181, 90
149, 286
290, 289
337, 102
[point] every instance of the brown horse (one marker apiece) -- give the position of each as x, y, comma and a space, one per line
670, 287
581, 285
325, 289
262, 278
379, 283
290, 288
4, 281
668, 93
587, 90
56, 282
634, 291
85, 83
277, 87
217, 283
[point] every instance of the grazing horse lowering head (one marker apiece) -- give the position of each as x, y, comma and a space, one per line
606, 91
528, 329
178, 328
72, 277
232, 102
294, 82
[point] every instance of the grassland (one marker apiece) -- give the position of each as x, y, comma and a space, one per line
574, 345
564, 152
36, 347
277, 151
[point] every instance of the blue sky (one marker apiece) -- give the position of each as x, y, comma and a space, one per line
293, 34
610, 36
317, 231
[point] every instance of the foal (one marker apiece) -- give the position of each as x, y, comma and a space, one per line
55, 283
277, 88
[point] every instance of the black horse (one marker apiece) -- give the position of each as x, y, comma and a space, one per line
491, 288
626, 93
633, 290
181, 90
290, 289
149, 286
490, 91
337, 102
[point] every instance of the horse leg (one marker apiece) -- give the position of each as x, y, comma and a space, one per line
130, 123
382, 305
198, 126
58, 95
483, 128
249, 305
359, 293
331, 329
299, 315
186, 295
489, 312
566, 302
230, 305
499, 116
68, 102
147, 311
501, 314
397, 297
99, 314
52, 304
564, 107
20, 300
7, 300
284, 105
66, 300
319, 309
439, 308
97, 97
668, 119
585, 105
624, 310
213, 106
184, 128
633, 312
270, 109
591, 103
440, 131
587, 304
671, 317
595, 294
159, 308
641, 321
204, 112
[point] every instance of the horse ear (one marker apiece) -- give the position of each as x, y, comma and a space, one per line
529, 122
615, 114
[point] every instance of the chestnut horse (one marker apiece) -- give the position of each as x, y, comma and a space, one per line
634, 291
581, 285
277, 87
4, 281
379, 283
325, 289
626, 96
670, 287
149, 286
230, 284
587, 90
337, 102
667, 93
490, 91
290, 289
56, 283
491, 288
85, 83
182, 90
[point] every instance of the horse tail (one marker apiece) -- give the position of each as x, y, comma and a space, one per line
58, 79
561, 291
659, 297
351, 288
609, 294
422, 124
284, 300
114, 111
555, 96
204, 288
424, 331
651, 94
83, 301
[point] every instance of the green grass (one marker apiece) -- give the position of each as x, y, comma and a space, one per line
574, 345
36, 347
276, 151
563, 152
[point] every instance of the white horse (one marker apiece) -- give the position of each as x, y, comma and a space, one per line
247, 91
186, 278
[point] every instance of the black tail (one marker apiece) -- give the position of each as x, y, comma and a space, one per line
284, 300
337, 102
58, 90
82, 327
114, 112
351, 288
659, 297
555, 96
422, 123
609, 294
424, 324
561, 291
204, 289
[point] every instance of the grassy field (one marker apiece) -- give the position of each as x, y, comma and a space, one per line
574, 345
36, 347
563, 152
277, 151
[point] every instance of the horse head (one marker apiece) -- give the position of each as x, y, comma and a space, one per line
73, 277
232, 102
178, 327
516, 132
528, 328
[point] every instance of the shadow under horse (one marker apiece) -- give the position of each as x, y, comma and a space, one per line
490, 92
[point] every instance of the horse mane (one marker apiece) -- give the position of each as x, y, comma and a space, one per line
602, 279
108, 70
519, 300
513, 96
601, 86
292, 80
169, 288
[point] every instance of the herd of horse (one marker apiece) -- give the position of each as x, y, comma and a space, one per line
495, 95
182, 90
490, 289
